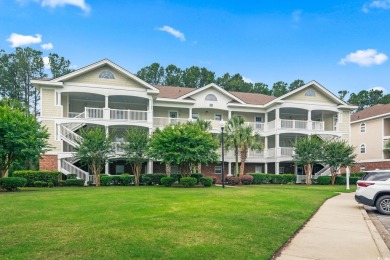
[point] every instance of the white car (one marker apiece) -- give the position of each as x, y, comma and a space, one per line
374, 190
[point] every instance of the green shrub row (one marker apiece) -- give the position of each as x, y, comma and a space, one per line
188, 182
116, 180
12, 183
340, 180
75, 182
206, 181
354, 174
44, 176
167, 181
263, 178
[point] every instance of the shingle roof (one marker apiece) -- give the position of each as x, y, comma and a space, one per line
248, 98
253, 98
376, 110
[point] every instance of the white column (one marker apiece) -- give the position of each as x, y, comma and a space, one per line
190, 113
277, 118
107, 168
106, 110
309, 123
230, 169
229, 114
150, 166
276, 167
266, 167
277, 148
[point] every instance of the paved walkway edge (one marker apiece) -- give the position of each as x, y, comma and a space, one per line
380, 244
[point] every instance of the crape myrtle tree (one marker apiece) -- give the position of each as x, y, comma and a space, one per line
184, 145
21, 136
135, 147
308, 151
94, 149
337, 153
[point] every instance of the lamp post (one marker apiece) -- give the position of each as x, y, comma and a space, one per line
223, 155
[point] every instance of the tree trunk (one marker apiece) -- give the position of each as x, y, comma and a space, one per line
137, 173
308, 170
236, 165
333, 178
168, 169
199, 168
244, 152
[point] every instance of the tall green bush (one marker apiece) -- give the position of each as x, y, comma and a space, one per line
12, 183
188, 182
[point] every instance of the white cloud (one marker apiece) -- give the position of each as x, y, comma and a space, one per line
18, 40
46, 62
247, 80
59, 3
379, 88
47, 46
173, 32
379, 4
364, 58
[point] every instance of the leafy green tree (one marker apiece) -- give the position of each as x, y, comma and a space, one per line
296, 84
59, 66
308, 151
173, 76
342, 94
233, 138
337, 153
153, 74
135, 147
94, 150
249, 140
365, 99
184, 145
21, 138
279, 88
196, 77
261, 88
385, 99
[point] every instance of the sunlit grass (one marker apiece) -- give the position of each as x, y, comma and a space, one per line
154, 222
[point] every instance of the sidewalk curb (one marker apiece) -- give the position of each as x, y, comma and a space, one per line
380, 244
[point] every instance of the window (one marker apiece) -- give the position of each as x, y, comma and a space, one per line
363, 148
310, 93
281, 169
258, 169
218, 169
377, 176
174, 169
218, 117
119, 169
173, 114
211, 97
195, 115
258, 119
105, 74
362, 128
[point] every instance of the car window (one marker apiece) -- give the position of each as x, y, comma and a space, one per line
376, 176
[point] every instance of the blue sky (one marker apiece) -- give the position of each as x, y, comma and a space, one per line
341, 44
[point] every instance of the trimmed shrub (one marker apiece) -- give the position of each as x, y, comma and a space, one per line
75, 182
340, 180
126, 179
116, 180
37, 184
61, 183
89, 183
353, 180
156, 178
277, 179
324, 180
214, 179
177, 176
289, 178
105, 180
32, 176
145, 179
232, 180
354, 174
12, 183
260, 178
197, 176
207, 182
167, 181
71, 176
50, 184
246, 179
188, 181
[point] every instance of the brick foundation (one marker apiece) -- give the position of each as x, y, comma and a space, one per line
369, 166
48, 163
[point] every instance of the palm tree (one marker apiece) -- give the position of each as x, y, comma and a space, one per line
233, 137
249, 140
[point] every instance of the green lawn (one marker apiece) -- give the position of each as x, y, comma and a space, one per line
154, 222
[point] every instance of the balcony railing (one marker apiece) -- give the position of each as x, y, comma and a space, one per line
112, 114
128, 115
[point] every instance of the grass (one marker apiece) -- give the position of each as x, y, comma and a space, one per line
154, 222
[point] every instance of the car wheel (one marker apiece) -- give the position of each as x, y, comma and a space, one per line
383, 205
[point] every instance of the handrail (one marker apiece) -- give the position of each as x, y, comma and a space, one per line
70, 168
69, 136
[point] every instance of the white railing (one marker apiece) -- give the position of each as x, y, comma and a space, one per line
270, 153
301, 178
69, 136
293, 124
129, 115
164, 121
271, 125
286, 151
117, 146
76, 115
70, 168
91, 112
318, 125
256, 126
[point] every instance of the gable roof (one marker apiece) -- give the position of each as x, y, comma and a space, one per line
253, 98
101, 63
173, 92
374, 111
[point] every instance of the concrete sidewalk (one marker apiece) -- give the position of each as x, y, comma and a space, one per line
341, 229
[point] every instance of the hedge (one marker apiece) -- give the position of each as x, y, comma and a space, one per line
324, 180
156, 178
263, 178
75, 182
188, 182
12, 183
246, 179
232, 180
197, 176
207, 182
32, 176
167, 181
354, 174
